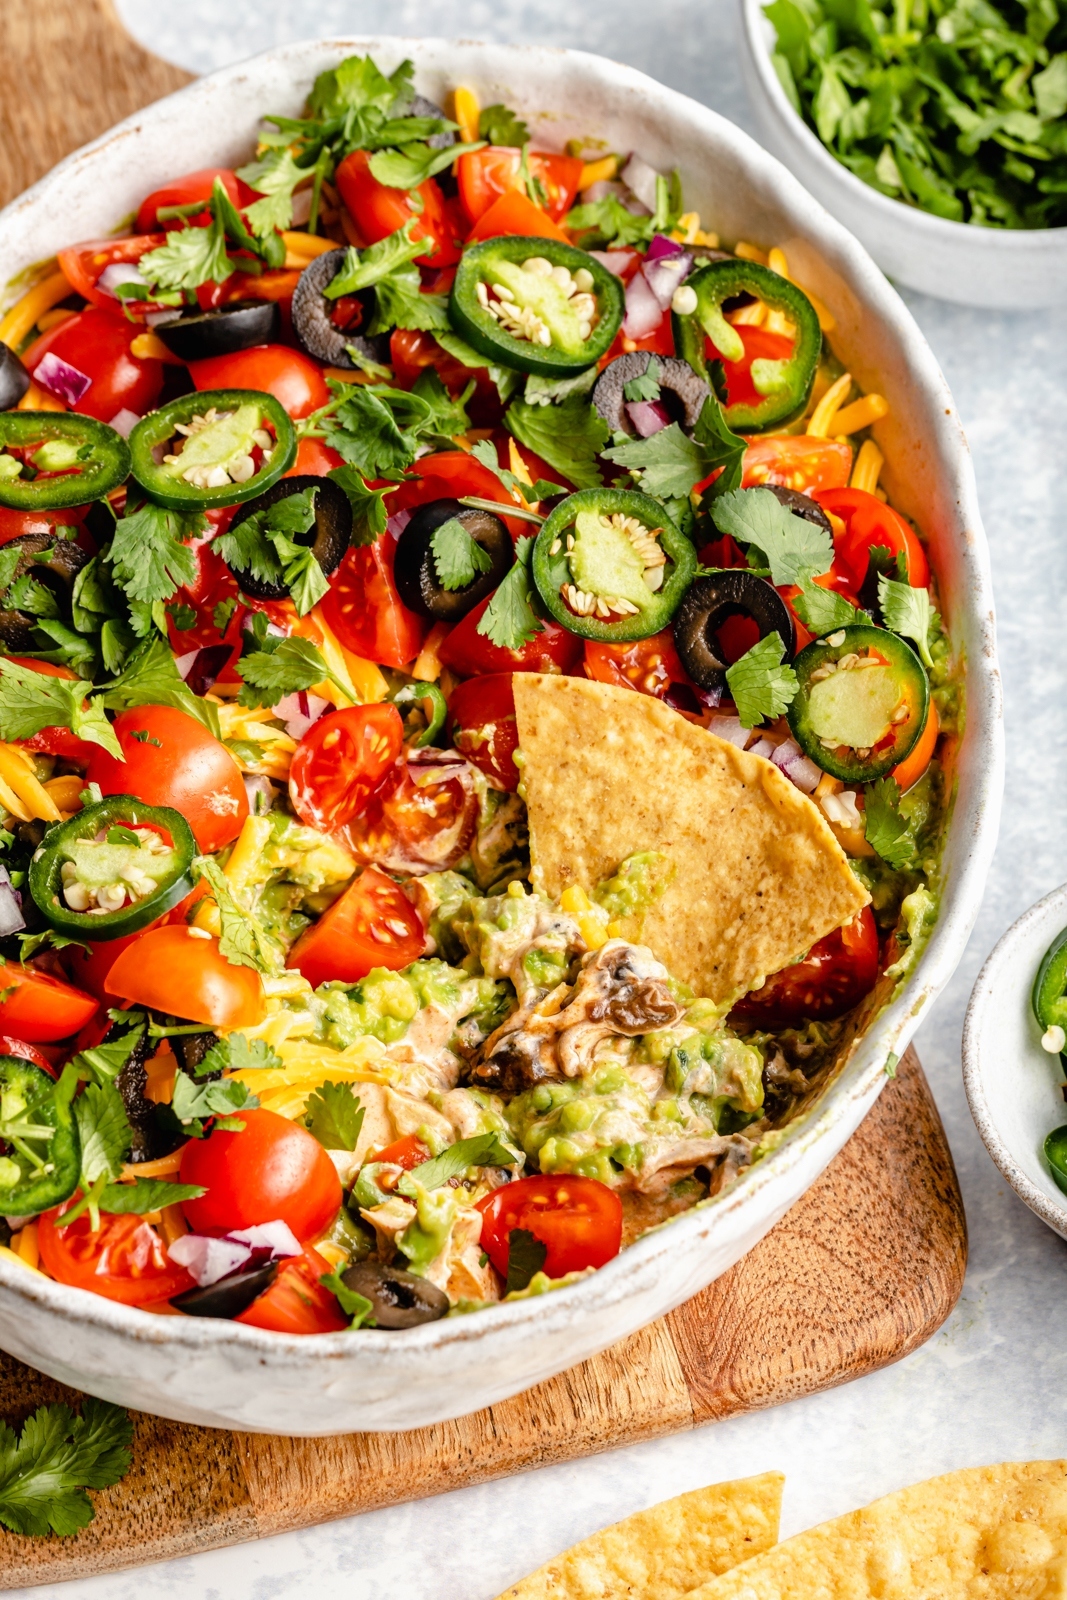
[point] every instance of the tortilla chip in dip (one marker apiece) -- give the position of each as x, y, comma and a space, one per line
757, 875
667, 1551
988, 1533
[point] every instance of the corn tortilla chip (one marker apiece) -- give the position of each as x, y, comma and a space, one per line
988, 1533
758, 875
663, 1553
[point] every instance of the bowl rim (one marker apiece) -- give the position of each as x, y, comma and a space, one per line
1018, 240
984, 993
973, 825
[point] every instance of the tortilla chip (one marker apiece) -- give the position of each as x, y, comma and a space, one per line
758, 875
663, 1553
989, 1533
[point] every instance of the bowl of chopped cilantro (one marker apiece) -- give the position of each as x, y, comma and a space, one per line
936, 130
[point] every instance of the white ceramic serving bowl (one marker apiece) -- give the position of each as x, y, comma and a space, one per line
222, 1374
1013, 1085
1002, 268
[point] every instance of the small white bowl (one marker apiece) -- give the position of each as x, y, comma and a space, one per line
1012, 1084
1002, 268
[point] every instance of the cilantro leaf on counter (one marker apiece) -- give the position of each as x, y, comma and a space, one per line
457, 558
481, 1150
569, 436
669, 465
244, 941
235, 1053
760, 686
790, 546
334, 1115
908, 611
45, 1470
500, 126
353, 1304
526, 1258
509, 620
30, 701
886, 831
823, 610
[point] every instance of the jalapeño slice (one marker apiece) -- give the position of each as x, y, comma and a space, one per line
50, 459
198, 451
1049, 998
861, 702
610, 564
113, 868
784, 385
536, 304
40, 1152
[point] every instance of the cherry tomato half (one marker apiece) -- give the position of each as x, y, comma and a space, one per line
270, 1170
13, 523
648, 665
424, 816
868, 522
55, 741
171, 759
183, 191
485, 175
83, 264
341, 761
796, 461
177, 970
98, 343
289, 375
296, 1301
483, 727
467, 651
578, 1219
379, 210
25, 1052
373, 924
314, 458
365, 610
833, 977
125, 1259
39, 1008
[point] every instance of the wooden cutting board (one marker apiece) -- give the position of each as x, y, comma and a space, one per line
862, 1270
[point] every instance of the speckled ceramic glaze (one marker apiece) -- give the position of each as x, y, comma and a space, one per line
998, 267
1014, 1087
221, 1374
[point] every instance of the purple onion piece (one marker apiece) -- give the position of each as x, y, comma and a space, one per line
207, 666
680, 697
662, 246
647, 416
61, 379
664, 275
11, 918
643, 311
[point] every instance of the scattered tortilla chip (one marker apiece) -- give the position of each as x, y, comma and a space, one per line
988, 1533
665, 1552
758, 875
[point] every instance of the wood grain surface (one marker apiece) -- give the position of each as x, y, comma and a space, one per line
862, 1270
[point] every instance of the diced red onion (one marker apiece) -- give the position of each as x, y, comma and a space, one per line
260, 792
277, 1237
124, 422
603, 190
796, 766
762, 747
11, 918
209, 663
119, 272
154, 318
396, 524
647, 416
184, 663
206, 1259
643, 311
641, 179
730, 729
616, 261
299, 719
61, 379
663, 245
664, 275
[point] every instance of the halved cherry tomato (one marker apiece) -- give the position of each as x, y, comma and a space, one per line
578, 1219
648, 665
468, 652
916, 762
183, 191
270, 1170
179, 971
483, 728
412, 351
833, 977
341, 761
424, 816
378, 210
26, 1052
365, 611
408, 1152
796, 461
485, 175
296, 1302
177, 763
289, 375
373, 924
124, 1260
98, 343
39, 1008
869, 522
82, 265
314, 458
759, 344
513, 213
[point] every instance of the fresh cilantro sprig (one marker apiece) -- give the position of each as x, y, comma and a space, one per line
197, 1104
485, 452
369, 516
265, 543
31, 701
500, 126
481, 1150
824, 610
46, 1469
569, 436
105, 1137
788, 546
645, 386
243, 939
509, 619
334, 1116
379, 430
670, 464
362, 269
150, 677
409, 165
888, 833
457, 558
760, 686
192, 256
236, 1053
149, 558
908, 611
275, 177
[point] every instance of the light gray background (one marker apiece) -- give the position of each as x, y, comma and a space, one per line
991, 1385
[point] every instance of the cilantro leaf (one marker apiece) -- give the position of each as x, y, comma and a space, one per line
908, 611
791, 546
646, 385
244, 941
194, 1103
353, 1304
365, 433
280, 668
542, 391
823, 610
104, 1130
10, 556
526, 1258
501, 126
509, 620
275, 177
334, 1115
265, 542
608, 222
369, 516
103, 1062
145, 1194
30, 701
150, 677
485, 452
361, 269
670, 464
149, 555
29, 595
235, 1053
886, 831
357, 84
410, 165
45, 1471
759, 685
401, 303
568, 436
190, 257
457, 557
482, 1150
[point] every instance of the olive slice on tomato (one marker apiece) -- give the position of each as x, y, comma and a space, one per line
681, 392
239, 326
229, 1296
14, 379
325, 328
399, 1299
49, 563
419, 568
327, 538
710, 604
801, 505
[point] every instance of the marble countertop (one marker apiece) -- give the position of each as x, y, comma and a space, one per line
990, 1385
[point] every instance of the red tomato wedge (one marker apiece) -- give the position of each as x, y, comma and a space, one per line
467, 651
648, 665
341, 761
179, 971
514, 214
373, 924
483, 728
83, 265
919, 757
39, 1008
379, 210
796, 461
124, 1260
98, 344
270, 1170
868, 522
424, 816
183, 192
484, 175
578, 1220
365, 611
289, 375
296, 1302
833, 977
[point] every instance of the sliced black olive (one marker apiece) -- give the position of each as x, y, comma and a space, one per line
328, 538
681, 392
14, 379
708, 605
63, 560
416, 571
421, 107
801, 506
219, 333
313, 317
191, 1048
400, 1299
229, 1297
